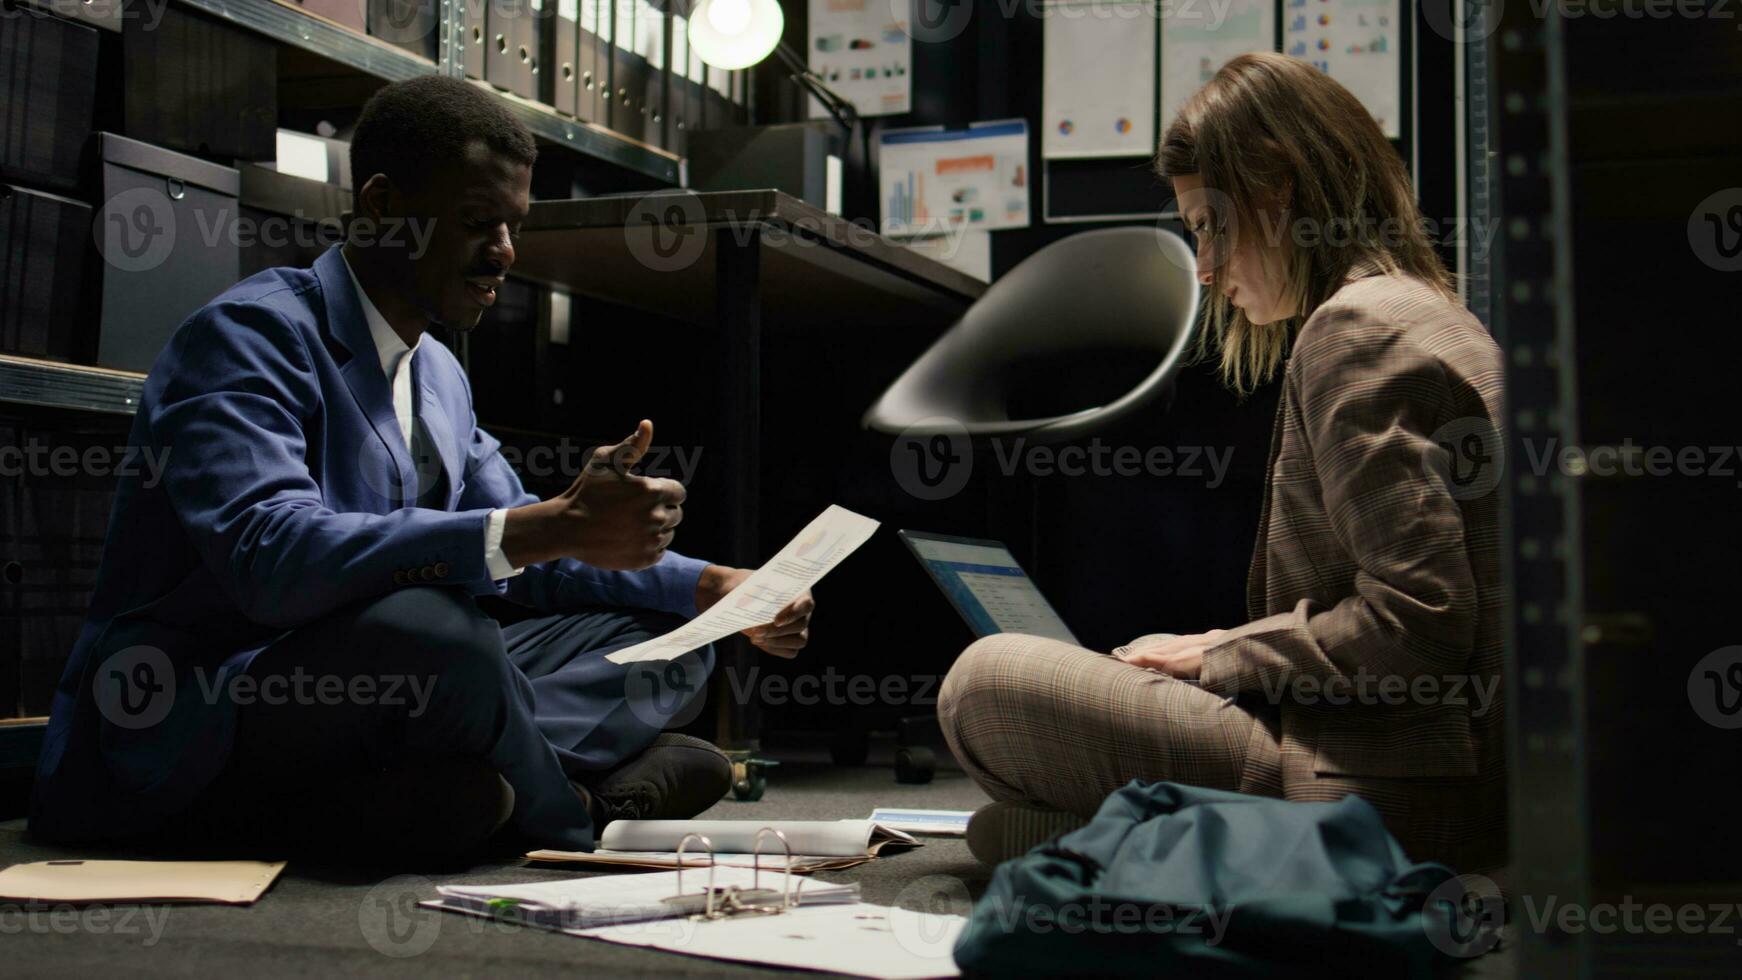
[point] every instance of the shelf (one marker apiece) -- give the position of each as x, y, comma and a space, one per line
818, 268
27, 381
289, 25
592, 139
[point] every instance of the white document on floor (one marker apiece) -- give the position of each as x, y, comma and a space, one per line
828, 929
823, 544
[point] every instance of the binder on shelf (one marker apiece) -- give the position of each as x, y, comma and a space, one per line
507, 60
650, 27
628, 73
716, 99
678, 95
560, 81
476, 39
595, 77
528, 26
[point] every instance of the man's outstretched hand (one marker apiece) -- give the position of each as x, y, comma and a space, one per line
791, 627
609, 517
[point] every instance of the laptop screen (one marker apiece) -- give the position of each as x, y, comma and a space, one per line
986, 585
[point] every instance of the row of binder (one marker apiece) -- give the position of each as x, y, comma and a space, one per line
623, 64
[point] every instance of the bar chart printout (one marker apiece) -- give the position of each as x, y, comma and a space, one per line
936, 180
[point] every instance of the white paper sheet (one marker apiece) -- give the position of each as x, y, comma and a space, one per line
825, 838
1198, 39
1355, 42
859, 940
823, 544
862, 51
1096, 56
934, 823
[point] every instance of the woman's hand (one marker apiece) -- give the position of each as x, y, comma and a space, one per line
1178, 656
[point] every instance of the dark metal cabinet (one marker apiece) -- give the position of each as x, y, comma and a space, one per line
43, 248
169, 241
48, 92
197, 85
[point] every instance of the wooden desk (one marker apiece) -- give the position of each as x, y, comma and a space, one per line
739, 260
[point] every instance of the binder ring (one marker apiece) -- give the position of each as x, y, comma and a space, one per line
786, 898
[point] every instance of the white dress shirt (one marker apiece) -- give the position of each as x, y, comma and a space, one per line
396, 360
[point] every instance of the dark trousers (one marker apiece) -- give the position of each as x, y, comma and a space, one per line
342, 716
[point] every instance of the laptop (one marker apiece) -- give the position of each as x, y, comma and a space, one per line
989, 589
986, 585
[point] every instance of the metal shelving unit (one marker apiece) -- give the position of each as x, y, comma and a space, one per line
51, 384
1530, 288
289, 25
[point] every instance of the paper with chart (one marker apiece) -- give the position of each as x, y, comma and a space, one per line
1198, 39
861, 49
1092, 51
823, 544
1356, 43
936, 180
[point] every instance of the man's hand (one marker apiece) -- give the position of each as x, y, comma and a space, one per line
609, 517
1179, 656
785, 636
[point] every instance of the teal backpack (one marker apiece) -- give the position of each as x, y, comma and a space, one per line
1176, 880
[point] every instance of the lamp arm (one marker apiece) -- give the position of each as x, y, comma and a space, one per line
845, 113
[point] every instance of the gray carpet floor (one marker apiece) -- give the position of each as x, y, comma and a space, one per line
330, 921
319, 921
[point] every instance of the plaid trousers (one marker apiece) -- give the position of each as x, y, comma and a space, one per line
1038, 720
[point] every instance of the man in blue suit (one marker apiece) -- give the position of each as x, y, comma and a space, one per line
286, 650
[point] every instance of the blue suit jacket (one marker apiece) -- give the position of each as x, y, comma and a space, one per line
282, 497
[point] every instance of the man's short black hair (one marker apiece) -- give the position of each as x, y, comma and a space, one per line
409, 128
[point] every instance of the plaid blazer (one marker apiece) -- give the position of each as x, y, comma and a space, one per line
1375, 591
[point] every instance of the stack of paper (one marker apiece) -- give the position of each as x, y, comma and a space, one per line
816, 845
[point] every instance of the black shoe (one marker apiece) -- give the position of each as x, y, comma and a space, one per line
676, 778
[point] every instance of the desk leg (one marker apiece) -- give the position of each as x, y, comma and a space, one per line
738, 309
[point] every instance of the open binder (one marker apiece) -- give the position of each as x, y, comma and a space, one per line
727, 913
709, 893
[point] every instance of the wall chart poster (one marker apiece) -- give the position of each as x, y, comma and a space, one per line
1097, 59
1355, 42
862, 51
1197, 39
935, 180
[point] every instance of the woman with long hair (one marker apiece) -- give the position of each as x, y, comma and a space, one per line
1372, 661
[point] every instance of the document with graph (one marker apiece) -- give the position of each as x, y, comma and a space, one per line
823, 544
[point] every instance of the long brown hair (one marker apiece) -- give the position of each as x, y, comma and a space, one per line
1267, 124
